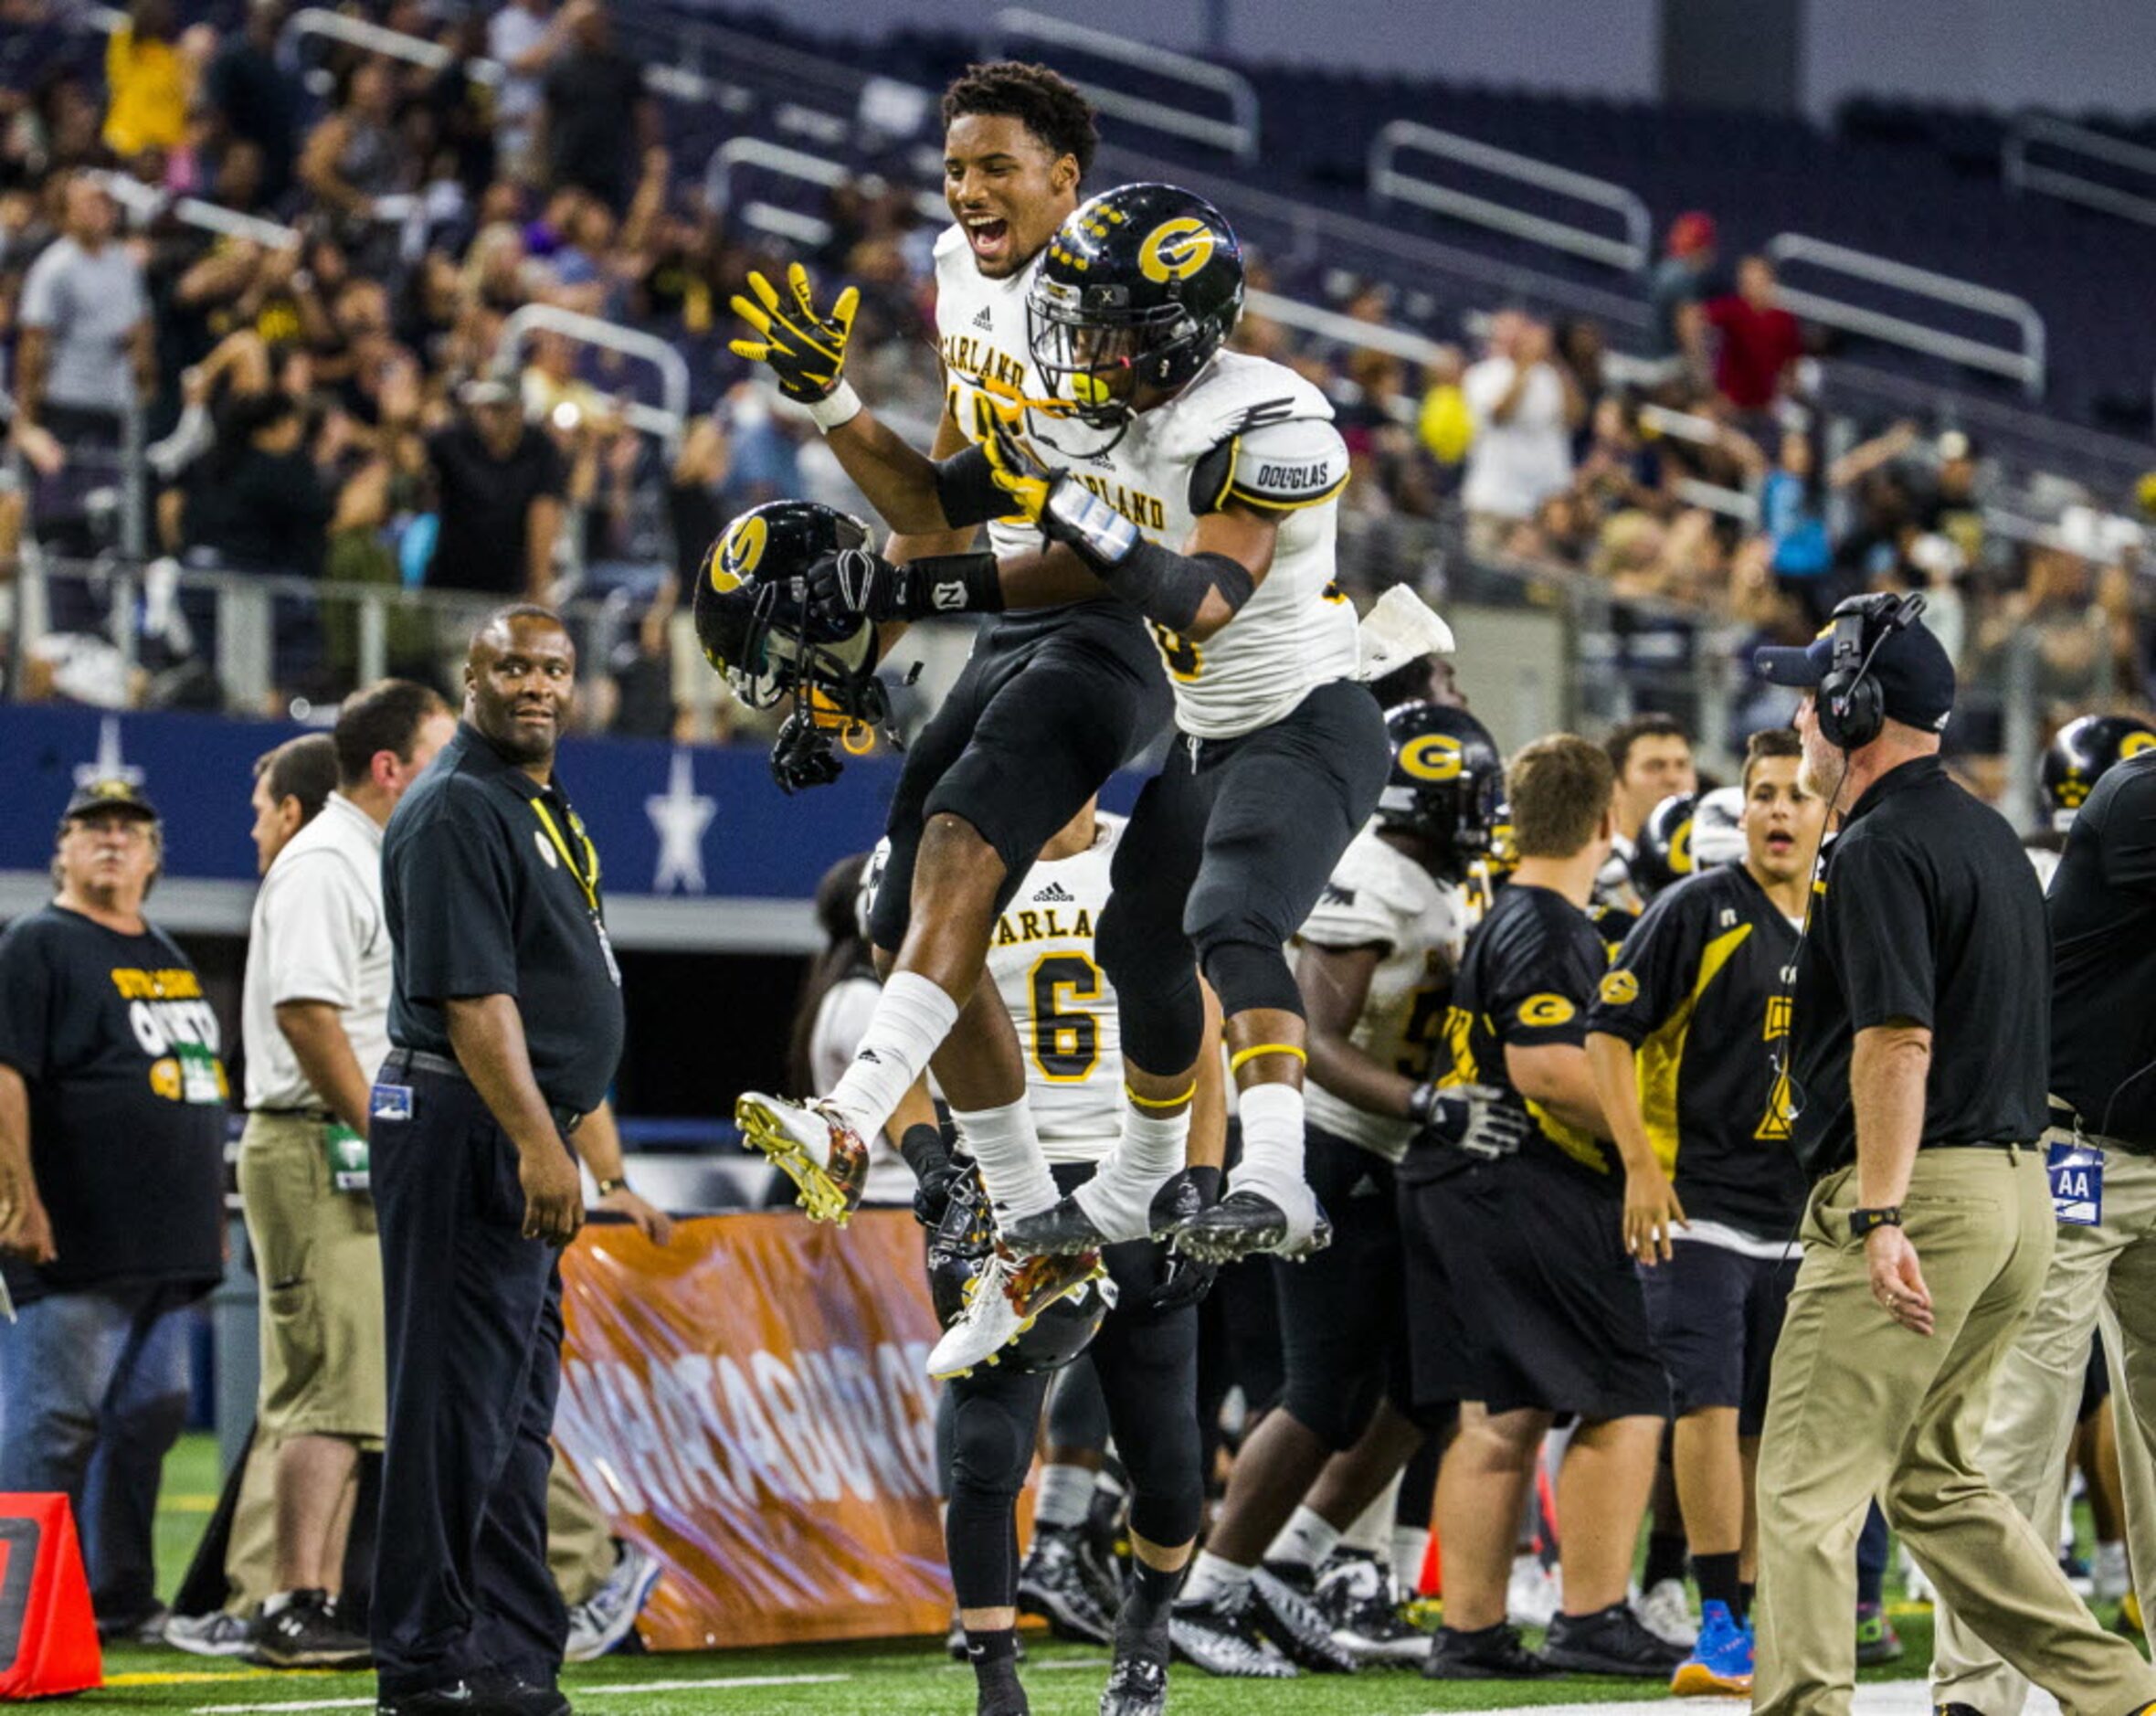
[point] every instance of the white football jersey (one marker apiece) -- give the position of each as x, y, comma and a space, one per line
1253, 431
980, 334
1041, 961
1380, 896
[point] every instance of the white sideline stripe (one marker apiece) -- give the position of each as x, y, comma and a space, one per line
583, 1692
1885, 1698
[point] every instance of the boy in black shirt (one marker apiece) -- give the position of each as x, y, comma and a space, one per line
1522, 1300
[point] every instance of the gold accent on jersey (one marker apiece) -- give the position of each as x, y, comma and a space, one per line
1539, 1011
1014, 929
1661, 1054
1064, 1037
1431, 757
1778, 1125
986, 367
1176, 249
1272, 504
1147, 512
1185, 660
1621, 988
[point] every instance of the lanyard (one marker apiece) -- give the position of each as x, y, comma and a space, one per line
588, 881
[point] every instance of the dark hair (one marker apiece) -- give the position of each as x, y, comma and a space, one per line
1042, 101
1771, 742
1408, 683
1560, 788
304, 768
845, 955
510, 611
1627, 733
384, 716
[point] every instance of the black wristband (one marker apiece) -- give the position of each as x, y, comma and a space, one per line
1170, 587
951, 584
967, 489
1863, 1221
923, 1148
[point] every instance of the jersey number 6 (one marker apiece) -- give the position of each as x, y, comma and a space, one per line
1066, 1038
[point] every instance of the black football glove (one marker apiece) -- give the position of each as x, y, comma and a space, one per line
1481, 1119
801, 755
923, 1148
859, 584
805, 347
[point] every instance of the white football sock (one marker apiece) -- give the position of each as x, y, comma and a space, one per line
1211, 1576
1119, 1198
1304, 1540
1410, 1549
1013, 1172
912, 1017
1272, 1144
1066, 1493
1372, 1529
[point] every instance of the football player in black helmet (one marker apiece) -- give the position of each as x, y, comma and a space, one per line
1447, 785
2080, 754
1662, 851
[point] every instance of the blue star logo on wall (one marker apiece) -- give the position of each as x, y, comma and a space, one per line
109, 766
680, 816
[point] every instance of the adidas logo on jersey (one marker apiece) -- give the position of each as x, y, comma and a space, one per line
984, 319
1054, 894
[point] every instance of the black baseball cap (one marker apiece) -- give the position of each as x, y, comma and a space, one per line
111, 792
1908, 665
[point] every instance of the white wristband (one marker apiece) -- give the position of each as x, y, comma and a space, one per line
836, 408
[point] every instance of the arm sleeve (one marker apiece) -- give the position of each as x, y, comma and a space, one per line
1545, 981
459, 887
1652, 972
26, 1003
1878, 930
322, 918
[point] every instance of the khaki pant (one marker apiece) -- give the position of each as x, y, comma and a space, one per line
1860, 1407
2105, 1273
580, 1549
320, 1270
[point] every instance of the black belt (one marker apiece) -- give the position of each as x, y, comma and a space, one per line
401, 1060
2065, 1118
321, 1117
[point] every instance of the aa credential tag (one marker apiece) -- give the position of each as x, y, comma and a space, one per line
390, 1102
2077, 1173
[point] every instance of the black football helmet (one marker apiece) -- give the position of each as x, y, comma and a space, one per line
958, 1250
1447, 782
1663, 856
2080, 754
1139, 288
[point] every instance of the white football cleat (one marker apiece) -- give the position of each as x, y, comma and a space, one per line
812, 1146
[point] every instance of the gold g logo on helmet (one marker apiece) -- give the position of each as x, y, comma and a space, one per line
1431, 757
2134, 743
1176, 249
740, 553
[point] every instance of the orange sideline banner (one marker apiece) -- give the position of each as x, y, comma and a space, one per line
749, 1403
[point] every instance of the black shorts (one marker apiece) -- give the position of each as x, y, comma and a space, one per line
1046, 709
1520, 1295
1343, 1313
1716, 1315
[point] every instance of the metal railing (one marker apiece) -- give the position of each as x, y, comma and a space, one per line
2025, 362
2033, 130
1388, 183
666, 421
147, 203
1237, 135
786, 162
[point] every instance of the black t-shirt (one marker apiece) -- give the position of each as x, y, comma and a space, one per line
119, 1052
591, 99
1696, 991
262, 511
1527, 979
1927, 913
482, 897
259, 100
2103, 928
486, 507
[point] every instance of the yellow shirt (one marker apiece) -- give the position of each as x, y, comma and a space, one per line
150, 83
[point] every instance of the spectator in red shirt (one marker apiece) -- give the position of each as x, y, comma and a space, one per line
1760, 340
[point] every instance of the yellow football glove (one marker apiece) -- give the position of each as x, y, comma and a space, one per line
1017, 468
805, 350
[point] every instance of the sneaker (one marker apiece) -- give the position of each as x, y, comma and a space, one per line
1051, 1585
1355, 1595
1876, 1641
605, 1618
812, 1146
1610, 1641
1720, 1664
1137, 1682
1534, 1594
1286, 1614
304, 1633
1217, 1635
1666, 1613
216, 1634
501, 1693
1493, 1653
2108, 1573
1245, 1223
144, 1628
1963, 1710
1001, 1303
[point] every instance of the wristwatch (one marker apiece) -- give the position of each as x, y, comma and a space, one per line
608, 1188
1862, 1222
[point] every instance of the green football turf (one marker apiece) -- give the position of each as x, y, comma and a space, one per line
911, 1678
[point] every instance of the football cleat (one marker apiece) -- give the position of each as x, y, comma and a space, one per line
1665, 1611
216, 1634
1245, 1223
1052, 1585
1291, 1621
1216, 1635
1720, 1664
812, 1146
1355, 1595
1138, 1683
1003, 1301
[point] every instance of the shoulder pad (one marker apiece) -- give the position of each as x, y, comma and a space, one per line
951, 240
1275, 467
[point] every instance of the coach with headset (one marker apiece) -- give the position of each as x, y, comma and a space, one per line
1918, 1045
